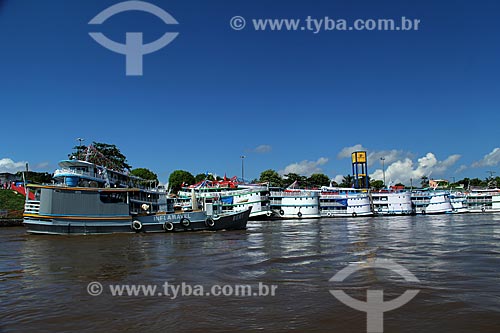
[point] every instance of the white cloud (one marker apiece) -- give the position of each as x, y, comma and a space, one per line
401, 171
305, 167
347, 151
8, 165
262, 149
461, 168
374, 156
490, 159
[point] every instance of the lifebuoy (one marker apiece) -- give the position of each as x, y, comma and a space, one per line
168, 226
299, 214
185, 222
209, 222
137, 225
282, 212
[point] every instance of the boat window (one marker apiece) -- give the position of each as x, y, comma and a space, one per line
113, 197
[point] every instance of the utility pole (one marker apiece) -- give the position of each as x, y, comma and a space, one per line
242, 167
79, 146
383, 167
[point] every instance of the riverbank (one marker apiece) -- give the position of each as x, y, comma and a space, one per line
11, 222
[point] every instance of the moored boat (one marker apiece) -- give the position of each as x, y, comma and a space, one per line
344, 202
294, 204
230, 195
89, 210
431, 202
388, 202
458, 202
483, 200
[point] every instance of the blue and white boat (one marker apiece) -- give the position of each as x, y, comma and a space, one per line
344, 202
91, 199
431, 202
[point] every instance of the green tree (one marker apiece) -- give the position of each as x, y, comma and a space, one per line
272, 177
178, 177
377, 184
347, 181
103, 154
33, 177
290, 178
318, 180
477, 182
144, 174
200, 177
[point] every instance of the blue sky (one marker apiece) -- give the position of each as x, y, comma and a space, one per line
293, 101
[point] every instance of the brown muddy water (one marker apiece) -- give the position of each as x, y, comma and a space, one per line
44, 280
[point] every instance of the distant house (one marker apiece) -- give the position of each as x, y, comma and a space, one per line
435, 183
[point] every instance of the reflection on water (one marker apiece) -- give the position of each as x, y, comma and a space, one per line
43, 279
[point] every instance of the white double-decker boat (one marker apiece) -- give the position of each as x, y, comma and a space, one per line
230, 195
458, 202
347, 202
295, 204
431, 202
388, 202
483, 200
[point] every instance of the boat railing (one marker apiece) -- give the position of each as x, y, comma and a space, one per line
344, 196
294, 194
32, 207
76, 173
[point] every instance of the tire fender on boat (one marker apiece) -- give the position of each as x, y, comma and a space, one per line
185, 222
483, 209
329, 214
137, 225
282, 212
423, 212
268, 213
354, 214
168, 226
299, 214
209, 222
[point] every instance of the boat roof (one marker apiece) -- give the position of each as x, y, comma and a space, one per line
93, 189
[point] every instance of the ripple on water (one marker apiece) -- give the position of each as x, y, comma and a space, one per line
455, 257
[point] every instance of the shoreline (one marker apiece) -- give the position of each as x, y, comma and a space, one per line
11, 222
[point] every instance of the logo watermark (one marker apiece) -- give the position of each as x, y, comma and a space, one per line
173, 291
326, 23
374, 305
133, 49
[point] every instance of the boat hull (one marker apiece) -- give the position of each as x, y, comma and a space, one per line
180, 222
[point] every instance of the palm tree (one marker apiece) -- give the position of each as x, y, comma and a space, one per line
347, 181
424, 181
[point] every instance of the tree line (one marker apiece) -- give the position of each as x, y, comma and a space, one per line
110, 156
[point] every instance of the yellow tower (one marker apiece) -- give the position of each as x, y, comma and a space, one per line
360, 169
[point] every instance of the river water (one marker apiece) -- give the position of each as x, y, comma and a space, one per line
456, 258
